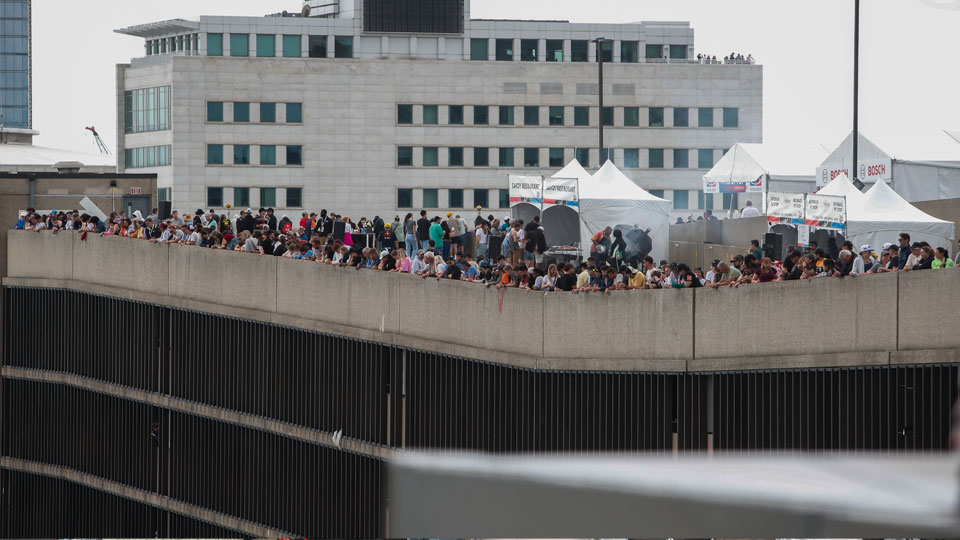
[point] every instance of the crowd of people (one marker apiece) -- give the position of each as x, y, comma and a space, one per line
732, 58
438, 248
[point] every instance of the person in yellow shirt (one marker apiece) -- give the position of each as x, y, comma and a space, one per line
583, 278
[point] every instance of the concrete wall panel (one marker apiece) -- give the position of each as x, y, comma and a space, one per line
40, 255
309, 289
225, 277
133, 264
928, 309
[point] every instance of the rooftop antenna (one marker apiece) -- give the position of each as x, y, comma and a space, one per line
100, 144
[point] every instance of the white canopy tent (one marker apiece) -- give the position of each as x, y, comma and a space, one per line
775, 167
561, 223
883, 214
610, 199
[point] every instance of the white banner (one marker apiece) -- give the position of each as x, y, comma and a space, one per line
528, 189
803, 235
785, 205
826, 211
561, 192
869, 171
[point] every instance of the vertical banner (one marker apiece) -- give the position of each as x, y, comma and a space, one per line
803, 235
526, 189
783, 207
826, 212
561, 192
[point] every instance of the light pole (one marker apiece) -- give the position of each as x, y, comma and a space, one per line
599, 41
856, 93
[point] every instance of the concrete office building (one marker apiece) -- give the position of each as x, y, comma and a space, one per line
365, 111
16, 99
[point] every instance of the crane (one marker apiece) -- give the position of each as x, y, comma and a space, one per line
100, 144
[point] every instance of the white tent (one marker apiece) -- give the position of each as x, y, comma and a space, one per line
883, 214
610, 199
561, 223
841, 186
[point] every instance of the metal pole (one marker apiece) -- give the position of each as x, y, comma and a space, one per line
856, 87
600, 93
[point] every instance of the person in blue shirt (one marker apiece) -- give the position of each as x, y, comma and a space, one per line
22, 222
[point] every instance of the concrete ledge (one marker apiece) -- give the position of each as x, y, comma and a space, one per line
803, 361
146, 497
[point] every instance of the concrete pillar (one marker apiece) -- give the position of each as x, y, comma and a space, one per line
466, 48
516, 49
304, 46
413, 46
541, 50
278, 45
616, 50
591, 51
441, 48
384, 46
566, 50
330, 46
491, 49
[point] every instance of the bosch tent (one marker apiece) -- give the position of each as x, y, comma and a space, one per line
883, 214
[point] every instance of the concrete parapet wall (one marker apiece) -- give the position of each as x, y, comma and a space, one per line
907, 317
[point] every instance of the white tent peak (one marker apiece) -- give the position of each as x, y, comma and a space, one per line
610, 183
882, 202
573, 170
841, 186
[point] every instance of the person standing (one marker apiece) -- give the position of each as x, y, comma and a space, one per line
423, 230
410, 233
481, 236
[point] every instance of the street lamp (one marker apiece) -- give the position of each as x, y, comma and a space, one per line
599, 41
856, 94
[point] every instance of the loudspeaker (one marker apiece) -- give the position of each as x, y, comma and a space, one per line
164, 210
339, 228
773, 246
493, 246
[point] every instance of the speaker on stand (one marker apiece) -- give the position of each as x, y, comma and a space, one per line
773, 246
164, 210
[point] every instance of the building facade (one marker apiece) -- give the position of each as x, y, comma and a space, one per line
15, 66
359, 110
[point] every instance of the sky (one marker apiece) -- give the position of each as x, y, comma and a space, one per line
908, 50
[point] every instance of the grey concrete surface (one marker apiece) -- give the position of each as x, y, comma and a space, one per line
928, 316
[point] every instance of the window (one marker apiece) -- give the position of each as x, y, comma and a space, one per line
506, 157
730, 201
631, 116
241, 112
479, 49
266, 45
504, 50
294, 113
241, 154
704, 199
214, 111
268, 197
578, 50
214, 197
431, 156
605, 51
404, 198
404, 156
268, 113
481, 197
455, 156
556, 157
164, 194
455, 115
291, 46
214, 44
503, 198
214, 154
150, 156
583, 156
705, 158
654, 51
295, 155
629, 52
681, 117
678, 52
655, 156
531, 116
317, 46
531, 157
430, 114
681, 199
241, 196
506, 115
608, 116
681, 158
556, 116
294, 197
343, 46
455, 198
481, 115
430, 198
554, 50
606, 155
731, 117
631, 158
528, 50
239, 45
655, 116
404, 114
581, 116
481, 157
145, 109
268, 154
705, 117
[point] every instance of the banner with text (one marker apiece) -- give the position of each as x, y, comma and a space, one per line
826, 211
783, 207
526, 189
868, 171
561, 192
758, 185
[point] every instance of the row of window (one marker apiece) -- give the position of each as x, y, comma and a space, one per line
146, 109
13, 62
430, 198
242, 154
268, 112
147, 156
557, 115
505, 51
556, 157
293, 197
291, 46
186, 42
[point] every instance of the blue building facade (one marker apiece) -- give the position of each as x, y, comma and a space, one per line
15, 73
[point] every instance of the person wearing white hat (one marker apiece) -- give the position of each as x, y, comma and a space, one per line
863, 263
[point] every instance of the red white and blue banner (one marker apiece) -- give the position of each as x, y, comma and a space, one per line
757, 185
783, 207
826, 212
561, 192
526, 189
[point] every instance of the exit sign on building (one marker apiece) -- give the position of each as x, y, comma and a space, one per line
136, 191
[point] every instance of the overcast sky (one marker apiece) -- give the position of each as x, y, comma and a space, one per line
908, 62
